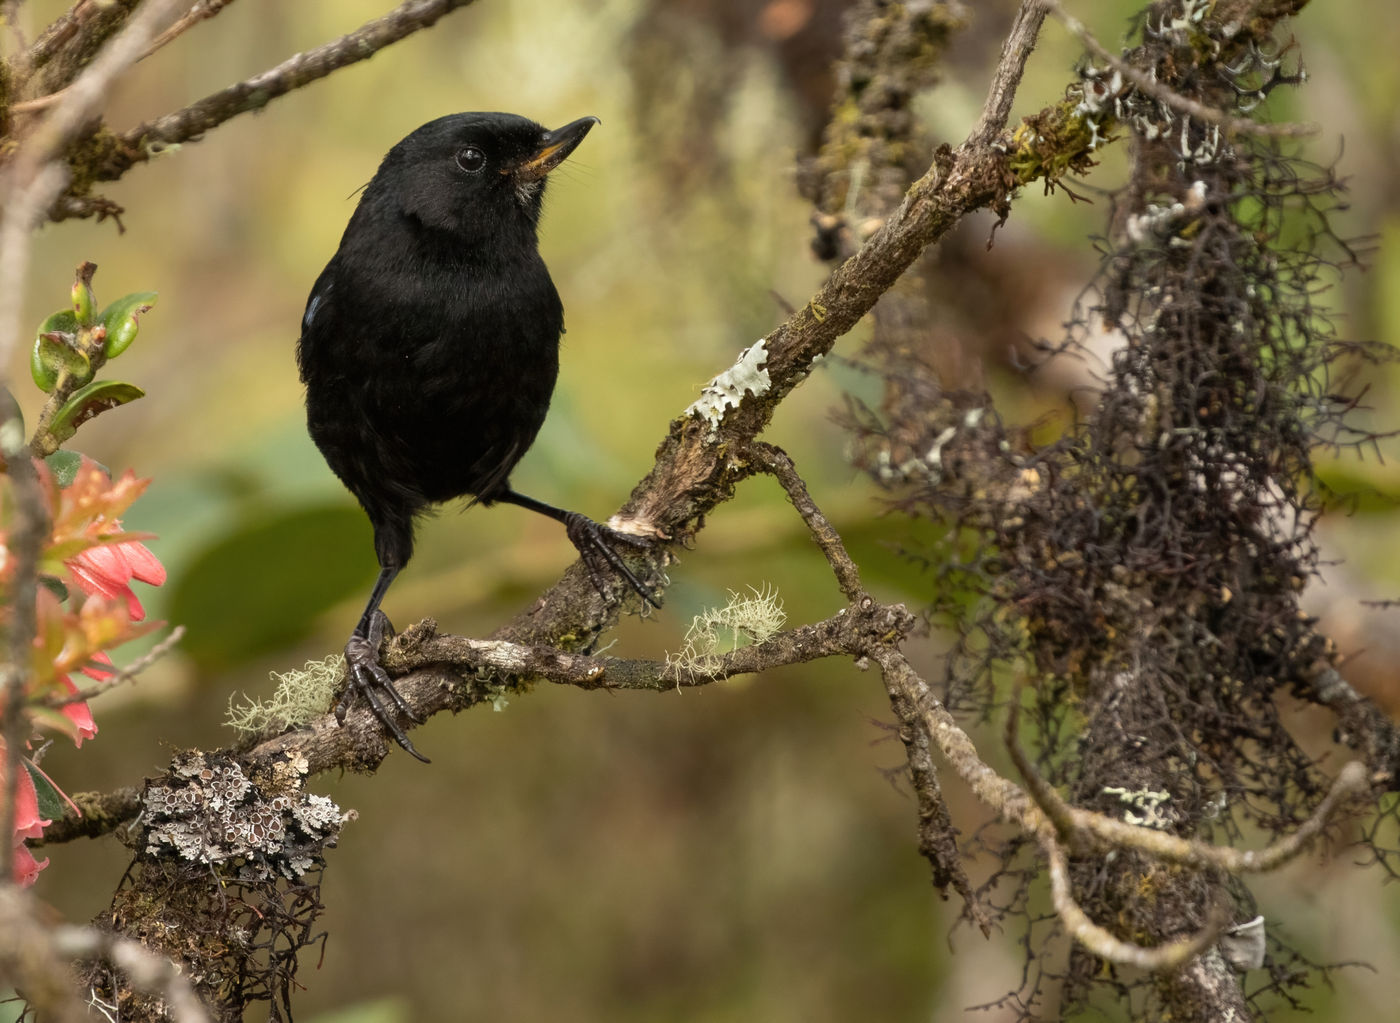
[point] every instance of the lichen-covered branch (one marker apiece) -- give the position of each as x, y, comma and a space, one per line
61, 80
145, 140
701, 459
450, 673
1136, 525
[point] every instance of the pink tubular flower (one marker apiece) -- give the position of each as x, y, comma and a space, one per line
78, 713
107, 570
26, 866
28, 824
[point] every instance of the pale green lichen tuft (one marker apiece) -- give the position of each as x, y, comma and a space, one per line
719, 630
300, 696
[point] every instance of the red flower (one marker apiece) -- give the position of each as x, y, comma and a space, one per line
107, 570
79, 713
28, 824
26, 866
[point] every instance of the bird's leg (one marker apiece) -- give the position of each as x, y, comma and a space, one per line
366, 676
594, 544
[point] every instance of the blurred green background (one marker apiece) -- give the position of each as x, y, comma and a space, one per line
737, 853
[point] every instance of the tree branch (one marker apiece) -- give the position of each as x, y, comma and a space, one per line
776, 462
146, 140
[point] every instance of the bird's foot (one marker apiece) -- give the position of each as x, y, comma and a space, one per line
594, 543
366, 676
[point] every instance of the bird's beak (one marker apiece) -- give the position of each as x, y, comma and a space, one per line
555, 146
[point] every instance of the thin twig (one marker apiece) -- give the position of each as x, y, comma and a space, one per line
28, 528
9, 11
693, 472
442, 672
1011, 65
775, 462
145, 140
31, 106
201, 11
83, 99
126, 674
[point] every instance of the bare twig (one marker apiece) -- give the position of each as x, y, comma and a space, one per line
776, 462
124, 675
145, 140
1015, 51
924, 723
446, 673
845, 632
201, 11
9, 12
84, 98
452, 672
28, 528
698, 464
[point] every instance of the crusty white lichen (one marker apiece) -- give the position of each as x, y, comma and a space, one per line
1154, 813
209, 811
727, 390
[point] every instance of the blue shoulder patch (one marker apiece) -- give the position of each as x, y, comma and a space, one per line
312, 306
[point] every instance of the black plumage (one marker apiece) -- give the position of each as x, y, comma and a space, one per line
430, 348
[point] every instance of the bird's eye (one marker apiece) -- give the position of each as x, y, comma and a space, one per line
471, 159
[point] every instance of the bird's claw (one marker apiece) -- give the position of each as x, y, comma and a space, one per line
366, 676
595, 549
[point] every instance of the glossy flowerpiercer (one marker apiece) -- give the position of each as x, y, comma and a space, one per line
430, 348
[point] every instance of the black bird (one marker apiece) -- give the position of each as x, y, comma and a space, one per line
430, 347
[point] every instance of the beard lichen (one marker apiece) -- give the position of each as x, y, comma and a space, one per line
1143, 570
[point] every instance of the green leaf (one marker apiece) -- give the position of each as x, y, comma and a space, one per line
64, 465
120, 319
87, 402
267, 582
44, 377
62, 320
53, 804
57, 553
83, 300
54, 352
54, 585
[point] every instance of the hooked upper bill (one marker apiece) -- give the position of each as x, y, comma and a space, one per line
555, 147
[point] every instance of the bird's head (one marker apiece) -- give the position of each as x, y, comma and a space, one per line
473, 174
